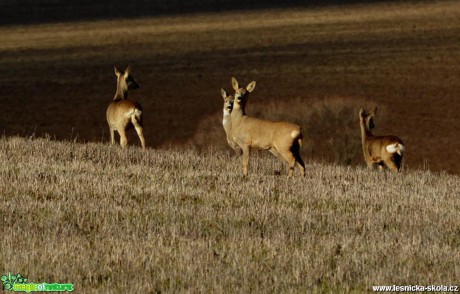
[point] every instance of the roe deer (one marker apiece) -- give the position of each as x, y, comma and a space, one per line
282, 139
227, 121
381, 151
241, 92
123, 114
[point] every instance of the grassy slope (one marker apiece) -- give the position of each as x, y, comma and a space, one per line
126, 220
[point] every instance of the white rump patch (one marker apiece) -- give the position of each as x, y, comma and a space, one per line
132, 112
295, 134
395, 148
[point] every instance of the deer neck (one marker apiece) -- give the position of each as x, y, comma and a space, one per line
236, 115
121, 93
226, 120
365, 133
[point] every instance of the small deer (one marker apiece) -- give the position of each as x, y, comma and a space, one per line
379, 151
123, 114
282, 139
242, 92
227, 121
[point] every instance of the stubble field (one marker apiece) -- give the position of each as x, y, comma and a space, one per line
118, 221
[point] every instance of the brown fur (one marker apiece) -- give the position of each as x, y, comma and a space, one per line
282, 139
375, 147
123, 114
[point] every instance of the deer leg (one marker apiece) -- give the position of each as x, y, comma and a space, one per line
373, 165
289, 157
300, 164
236, 148
123, 139
246, 151
112, 136
296, 152
398, 161
380, 165
274, 152
139, 131
238, 151
393, 166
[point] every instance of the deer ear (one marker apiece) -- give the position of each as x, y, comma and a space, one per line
223, 93
251, 86
117, 70
235, 84
361, 112
373, 111
127, 71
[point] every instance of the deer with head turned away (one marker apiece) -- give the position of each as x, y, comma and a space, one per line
379, 151
123, 114
283, 139
227, 121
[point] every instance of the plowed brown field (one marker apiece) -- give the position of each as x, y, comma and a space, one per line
405, 58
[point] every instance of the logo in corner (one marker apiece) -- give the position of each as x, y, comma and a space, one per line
18, 283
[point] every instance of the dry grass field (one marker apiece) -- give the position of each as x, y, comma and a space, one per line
132, 221
58, 77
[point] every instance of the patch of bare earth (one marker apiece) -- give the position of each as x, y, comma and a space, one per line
404, 58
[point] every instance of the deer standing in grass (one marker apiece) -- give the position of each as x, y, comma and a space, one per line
123, 114
282, 139
227, 121
379, 151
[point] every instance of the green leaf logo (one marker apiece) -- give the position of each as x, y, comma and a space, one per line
10, 280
